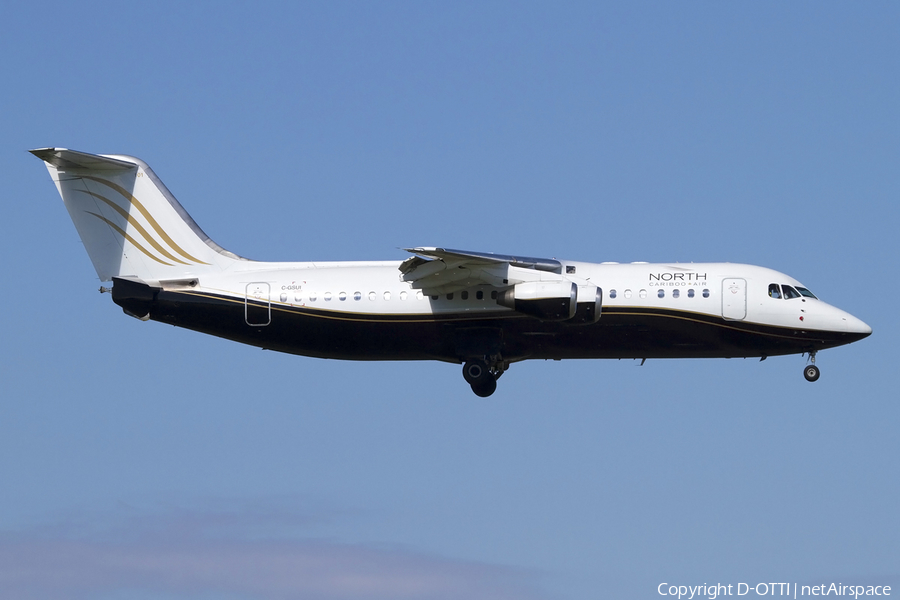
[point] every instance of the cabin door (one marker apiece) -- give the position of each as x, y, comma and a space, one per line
257, 310
734, 299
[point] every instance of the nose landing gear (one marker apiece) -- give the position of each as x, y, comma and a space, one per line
811, 371
482, 375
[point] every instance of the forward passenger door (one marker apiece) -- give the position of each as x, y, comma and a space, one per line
734, 299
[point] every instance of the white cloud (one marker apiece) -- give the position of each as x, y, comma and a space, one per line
180, 554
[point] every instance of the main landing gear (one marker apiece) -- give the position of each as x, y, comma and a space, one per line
811, 371
482, 375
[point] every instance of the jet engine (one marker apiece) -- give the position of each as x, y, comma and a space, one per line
555, 301
546, 300
590, 305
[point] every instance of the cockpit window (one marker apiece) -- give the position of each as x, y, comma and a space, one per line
805, 292
774, 290
790, 292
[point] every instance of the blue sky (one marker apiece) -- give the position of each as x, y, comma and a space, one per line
143, 461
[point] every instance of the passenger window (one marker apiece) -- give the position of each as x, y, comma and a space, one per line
628, 293
357, 296
691, 293
327, 296
706, 293
435, 297
450, 296
420, 295
789, 292
372, 295
661, 293
612, 293
493, 294
312, 296
403, 295
387, 295
774, 292
342, 296
676, 292
465, 295
643, 293
479, 295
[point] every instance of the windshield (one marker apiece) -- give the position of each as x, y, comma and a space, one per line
789, 292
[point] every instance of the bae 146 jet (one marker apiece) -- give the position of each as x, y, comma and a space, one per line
482, 310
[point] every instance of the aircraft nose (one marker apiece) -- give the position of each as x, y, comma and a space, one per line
849, 328
856, 327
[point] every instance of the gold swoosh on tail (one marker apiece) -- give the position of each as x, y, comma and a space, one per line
134, 222
129, 238
137, 204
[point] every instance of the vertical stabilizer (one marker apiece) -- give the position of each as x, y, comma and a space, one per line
130, 224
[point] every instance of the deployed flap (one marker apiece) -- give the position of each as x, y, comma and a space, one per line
443, 270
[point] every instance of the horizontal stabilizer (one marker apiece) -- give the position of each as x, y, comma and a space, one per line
63, 158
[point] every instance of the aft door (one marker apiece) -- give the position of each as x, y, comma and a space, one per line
734, 299
257, 310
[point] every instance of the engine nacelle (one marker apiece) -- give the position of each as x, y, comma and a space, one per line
546, 300
590, 305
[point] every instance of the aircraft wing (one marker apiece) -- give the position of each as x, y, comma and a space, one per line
443, 270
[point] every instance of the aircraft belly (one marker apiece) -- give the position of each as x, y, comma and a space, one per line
620, 333
305, 332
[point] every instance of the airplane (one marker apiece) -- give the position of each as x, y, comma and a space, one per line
482, 310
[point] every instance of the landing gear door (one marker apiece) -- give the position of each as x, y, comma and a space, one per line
257, 310
734, 299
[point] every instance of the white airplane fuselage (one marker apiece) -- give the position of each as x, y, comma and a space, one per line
484, 310
364, 311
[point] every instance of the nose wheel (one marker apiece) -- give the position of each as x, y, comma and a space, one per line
482, 376
811, 371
